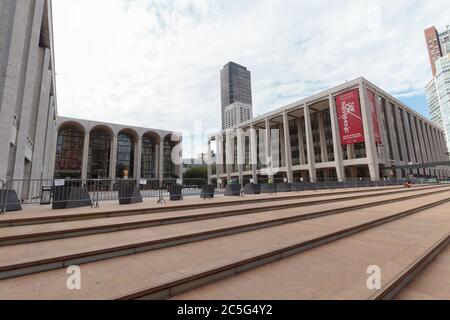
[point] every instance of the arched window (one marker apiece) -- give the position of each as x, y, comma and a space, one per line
150, 142
99, 153
125, 154
69, 152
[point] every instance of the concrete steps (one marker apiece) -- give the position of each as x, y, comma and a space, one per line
169, 271
108, 211
76, 228
47, 255
433, 281
401, 249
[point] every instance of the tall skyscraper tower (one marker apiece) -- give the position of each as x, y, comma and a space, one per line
236, 91
438, 45
438, 90
434, 47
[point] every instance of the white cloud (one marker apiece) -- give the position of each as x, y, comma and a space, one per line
156, 63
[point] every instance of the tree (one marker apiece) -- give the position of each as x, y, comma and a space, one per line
196, 173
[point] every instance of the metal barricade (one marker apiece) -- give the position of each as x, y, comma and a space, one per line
70, 193
2, 193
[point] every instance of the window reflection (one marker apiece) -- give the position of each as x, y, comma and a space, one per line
149, 162
125, 155
99, 154
69, 153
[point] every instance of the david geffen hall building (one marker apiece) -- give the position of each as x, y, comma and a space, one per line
354, 130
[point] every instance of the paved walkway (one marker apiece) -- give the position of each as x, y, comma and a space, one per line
199, 213
115, 277
339, 270
36, 211
51, 250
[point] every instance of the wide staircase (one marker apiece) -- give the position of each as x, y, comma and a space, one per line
305, 245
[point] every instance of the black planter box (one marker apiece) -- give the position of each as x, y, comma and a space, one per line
176, 192
284, 187
310, 186
298, 186
268, 188
252, 188
70, 197
208, 191
129, 192
12, 201
233, 190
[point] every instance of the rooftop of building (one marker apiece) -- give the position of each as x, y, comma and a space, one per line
88, 125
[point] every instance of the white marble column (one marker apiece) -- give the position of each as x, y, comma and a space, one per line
300, 142
229, 153
287, 148
219, 160
422, 145
419, 151
393, 138
409, 137
384, 134
161, 161
84, 168
338, 157
209, 164
240, 154
432, 142
323, 144
310, 145
267, 149
138, 160
371, 148
113, 158
254, 153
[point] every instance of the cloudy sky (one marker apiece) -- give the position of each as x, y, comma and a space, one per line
156, 63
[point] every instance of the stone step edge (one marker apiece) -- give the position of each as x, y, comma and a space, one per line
36, 266
114, 227
391, 289
194, 281
126, 212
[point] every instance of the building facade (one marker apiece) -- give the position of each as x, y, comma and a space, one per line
97, 150
355, 130
438, 90
237, 113
444, 38
236, 94
28, 107
438, 44
438, 96
434, 47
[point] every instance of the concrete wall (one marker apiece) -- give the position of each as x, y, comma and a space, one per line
27, 89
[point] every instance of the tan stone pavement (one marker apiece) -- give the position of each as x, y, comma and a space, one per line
80, 225
51, 250
36, 211
339, 270
115, 277
433, 283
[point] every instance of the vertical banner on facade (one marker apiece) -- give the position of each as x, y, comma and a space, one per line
348, 110
374, 115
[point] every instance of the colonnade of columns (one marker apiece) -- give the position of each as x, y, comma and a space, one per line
406, 138
158, 159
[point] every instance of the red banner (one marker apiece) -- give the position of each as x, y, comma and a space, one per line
374, 115
348, 110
